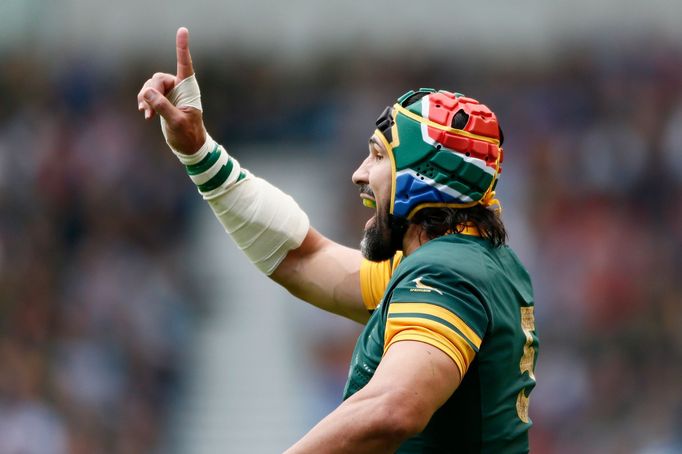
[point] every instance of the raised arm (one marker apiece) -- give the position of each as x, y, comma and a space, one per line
265, 223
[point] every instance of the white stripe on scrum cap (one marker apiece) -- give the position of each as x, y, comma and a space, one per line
441, 187
424, 126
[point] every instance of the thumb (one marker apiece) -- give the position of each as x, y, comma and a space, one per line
161, 105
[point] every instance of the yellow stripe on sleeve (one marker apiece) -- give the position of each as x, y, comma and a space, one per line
440, 312
402, 329
435, 326
374, 277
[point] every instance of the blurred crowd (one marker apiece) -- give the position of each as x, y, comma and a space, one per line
97, 311
95, 308
603, 147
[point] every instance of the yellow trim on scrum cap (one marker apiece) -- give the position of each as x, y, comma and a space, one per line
432, 124
389, 150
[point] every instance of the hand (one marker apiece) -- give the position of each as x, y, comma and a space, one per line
184, 128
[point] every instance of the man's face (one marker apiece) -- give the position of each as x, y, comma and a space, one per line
374, 179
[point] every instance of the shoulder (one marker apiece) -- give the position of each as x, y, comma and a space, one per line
452, 256
444, 283
443, 270
461, 266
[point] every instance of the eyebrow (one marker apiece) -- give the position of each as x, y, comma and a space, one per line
374, 140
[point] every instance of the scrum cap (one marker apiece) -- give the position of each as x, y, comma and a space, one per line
445, 151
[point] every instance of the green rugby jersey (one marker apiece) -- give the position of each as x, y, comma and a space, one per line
475, 303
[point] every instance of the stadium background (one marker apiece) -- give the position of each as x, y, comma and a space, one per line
130, 324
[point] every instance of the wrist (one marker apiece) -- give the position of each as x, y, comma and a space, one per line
193, 158
211, 169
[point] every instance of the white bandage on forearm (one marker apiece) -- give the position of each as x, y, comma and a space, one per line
264, 222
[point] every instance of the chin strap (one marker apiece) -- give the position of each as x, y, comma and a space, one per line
489, 200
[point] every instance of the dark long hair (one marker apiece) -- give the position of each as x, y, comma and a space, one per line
439, 221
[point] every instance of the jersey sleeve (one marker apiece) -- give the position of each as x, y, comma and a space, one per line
440, 308
374, 277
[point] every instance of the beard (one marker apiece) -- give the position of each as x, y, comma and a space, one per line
381, 240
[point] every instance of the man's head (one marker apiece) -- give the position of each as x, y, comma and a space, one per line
432, 149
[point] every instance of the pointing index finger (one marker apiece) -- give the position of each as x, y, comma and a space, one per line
185, 68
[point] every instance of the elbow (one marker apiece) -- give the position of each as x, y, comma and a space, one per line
401, 415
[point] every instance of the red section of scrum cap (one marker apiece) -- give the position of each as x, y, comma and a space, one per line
471, 147
445, 99
479, 149
449, 140
493, 152
446, 93
482, 121
442, 108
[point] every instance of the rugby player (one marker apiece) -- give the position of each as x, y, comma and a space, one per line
446, 360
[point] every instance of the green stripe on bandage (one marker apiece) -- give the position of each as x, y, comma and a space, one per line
242, 175
205, 164
435, 319
219, 178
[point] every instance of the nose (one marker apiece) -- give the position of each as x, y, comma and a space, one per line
361, 174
